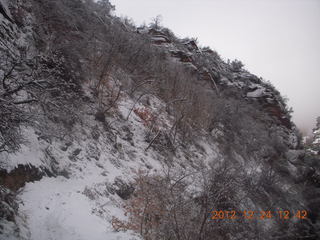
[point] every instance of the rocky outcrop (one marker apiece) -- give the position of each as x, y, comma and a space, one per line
158, 37
19, 176
254, 89
191, 45
182, 56
270, 102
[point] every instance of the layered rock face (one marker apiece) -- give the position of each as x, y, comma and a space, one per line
108, 131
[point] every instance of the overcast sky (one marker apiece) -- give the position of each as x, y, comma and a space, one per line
278, 40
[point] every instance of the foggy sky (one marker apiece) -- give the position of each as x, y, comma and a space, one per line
278, 40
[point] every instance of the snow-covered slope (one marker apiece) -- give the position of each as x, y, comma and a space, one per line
79, 205
79, 132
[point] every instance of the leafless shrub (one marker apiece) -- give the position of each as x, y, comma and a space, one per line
168, 207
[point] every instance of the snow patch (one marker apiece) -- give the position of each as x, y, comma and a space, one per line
31, 152
57, 209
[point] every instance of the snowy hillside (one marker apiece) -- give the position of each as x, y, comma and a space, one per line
112, 131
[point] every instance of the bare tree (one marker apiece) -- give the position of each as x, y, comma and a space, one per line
156, 22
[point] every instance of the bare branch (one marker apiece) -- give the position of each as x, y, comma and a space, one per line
114, 101
8, 74
150, 144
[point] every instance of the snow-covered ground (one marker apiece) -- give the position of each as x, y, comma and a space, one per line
56, 208
79, 205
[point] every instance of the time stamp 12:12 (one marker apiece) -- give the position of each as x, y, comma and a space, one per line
280, 214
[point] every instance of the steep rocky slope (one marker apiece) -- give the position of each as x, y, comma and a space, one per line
94, 111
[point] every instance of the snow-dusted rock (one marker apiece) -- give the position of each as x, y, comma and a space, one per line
260, 92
